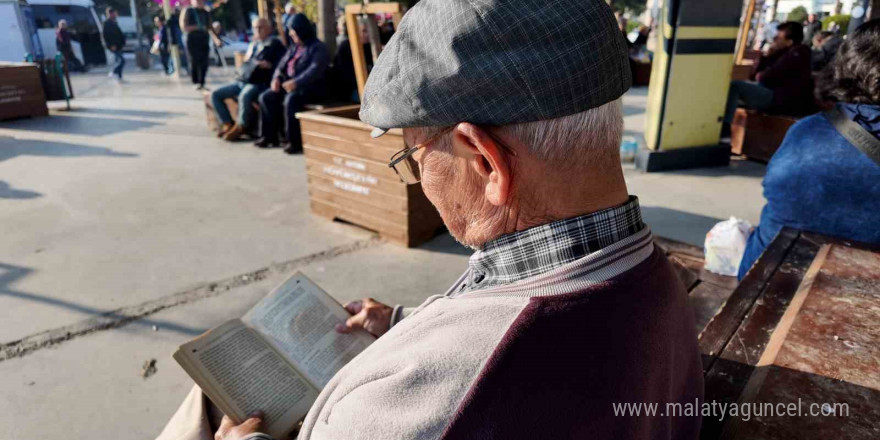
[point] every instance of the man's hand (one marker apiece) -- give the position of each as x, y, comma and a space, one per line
368, 314
230, 431
264, 64
276, 85
289, 85
112, 48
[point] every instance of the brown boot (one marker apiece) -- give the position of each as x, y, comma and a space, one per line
223, 129
234, 133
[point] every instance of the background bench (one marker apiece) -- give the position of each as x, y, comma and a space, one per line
758, 135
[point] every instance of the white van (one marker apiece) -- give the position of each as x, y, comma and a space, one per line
82, 21
19, 37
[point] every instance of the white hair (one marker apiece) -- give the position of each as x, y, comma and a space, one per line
578, 140
588, 138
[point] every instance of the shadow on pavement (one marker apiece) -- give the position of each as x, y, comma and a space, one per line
124, 112
678, 225
11, 147
8, 192
11, 273
737, 167
68, 123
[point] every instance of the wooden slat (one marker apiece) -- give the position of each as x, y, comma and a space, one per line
360, 218
672, 246
716, 334
374, 198
375, 168
335, 130
728, 372
706, 300
335, 172
395, 220
374, 8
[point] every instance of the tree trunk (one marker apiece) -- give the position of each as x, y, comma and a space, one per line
773, 10
838, 7
327, 24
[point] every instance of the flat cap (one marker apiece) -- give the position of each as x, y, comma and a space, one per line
496, 62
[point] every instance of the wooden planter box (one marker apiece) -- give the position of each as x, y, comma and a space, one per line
349, 178
21, 91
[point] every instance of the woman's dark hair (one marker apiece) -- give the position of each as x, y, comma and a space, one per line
794, 31
854, 73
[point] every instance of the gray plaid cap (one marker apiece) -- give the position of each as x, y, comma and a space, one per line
496, 62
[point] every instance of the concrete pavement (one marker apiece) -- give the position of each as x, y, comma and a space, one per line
125, 213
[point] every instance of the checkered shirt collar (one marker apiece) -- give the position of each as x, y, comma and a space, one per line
538, 250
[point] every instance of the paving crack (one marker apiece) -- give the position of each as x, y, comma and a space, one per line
122, 316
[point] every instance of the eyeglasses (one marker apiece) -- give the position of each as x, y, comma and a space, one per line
407, 168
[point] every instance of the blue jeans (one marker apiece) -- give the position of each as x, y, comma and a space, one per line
246, 95
118, 63
278, 110
751, 94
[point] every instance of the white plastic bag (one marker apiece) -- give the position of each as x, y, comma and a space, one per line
725, 245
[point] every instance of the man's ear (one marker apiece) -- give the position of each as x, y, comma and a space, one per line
487, 158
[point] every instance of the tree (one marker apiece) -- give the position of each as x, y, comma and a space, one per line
798, 14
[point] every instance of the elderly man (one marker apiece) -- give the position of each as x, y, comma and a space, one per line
511, 114
299, 79
260, 60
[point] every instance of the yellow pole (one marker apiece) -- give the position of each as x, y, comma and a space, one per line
175, 52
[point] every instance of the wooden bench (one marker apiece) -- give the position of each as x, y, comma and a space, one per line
707, 291
758, 135
232, 105
801, 327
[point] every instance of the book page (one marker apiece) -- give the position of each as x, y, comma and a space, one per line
242, 373
300, 319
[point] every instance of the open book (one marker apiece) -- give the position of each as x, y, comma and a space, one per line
275, 359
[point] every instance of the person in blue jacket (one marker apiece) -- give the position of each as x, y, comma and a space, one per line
818, 181
298, 80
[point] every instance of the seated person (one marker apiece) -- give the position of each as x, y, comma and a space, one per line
298, 80
259, 62
825, 46
784, 82
566, 307
817, 180
341, 79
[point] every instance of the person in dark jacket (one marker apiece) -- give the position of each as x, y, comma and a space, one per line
63, 44
114, 39
341, 78
196, 23
818, 181
783, 80
811, 28
164, 38
256, 73
298, 80
825, 46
